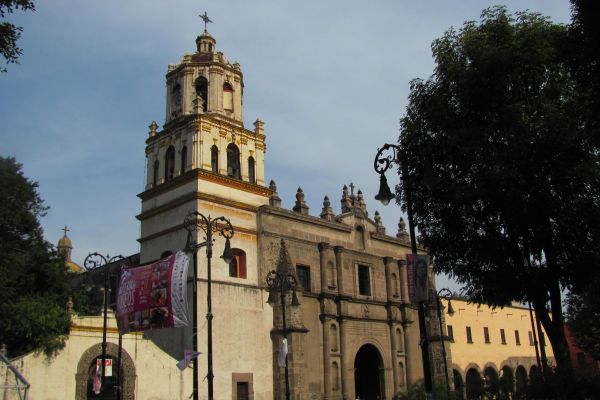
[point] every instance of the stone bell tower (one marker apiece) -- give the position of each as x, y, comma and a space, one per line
204, 160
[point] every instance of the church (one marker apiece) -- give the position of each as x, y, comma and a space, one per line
354, 333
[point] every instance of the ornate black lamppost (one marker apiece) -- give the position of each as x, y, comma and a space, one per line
92, 262
383, 163
195, 222
446, 294
283, 282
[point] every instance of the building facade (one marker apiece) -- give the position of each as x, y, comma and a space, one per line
354, 334
494, 349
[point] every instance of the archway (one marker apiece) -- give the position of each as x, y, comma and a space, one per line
88, 359
492, 383
459, 387
368, 374
474, 384
521, 381
507, 382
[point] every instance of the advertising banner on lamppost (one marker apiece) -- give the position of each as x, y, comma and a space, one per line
153, 296
418, 282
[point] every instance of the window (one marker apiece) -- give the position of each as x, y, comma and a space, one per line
183, 158
303, 273
530, 338
170, 163
469, 335
202, 91
335, 376
517, 338
227, 97
251, 170
502, 336
364, 280
362, 240
243, 391
486, 334
155, 174
233, 161
450, 330
214, 159
237, 266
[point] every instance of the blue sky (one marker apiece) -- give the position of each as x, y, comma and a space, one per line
329, 79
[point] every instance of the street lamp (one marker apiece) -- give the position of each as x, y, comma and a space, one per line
195, 222
92, 262
446, 294
382, 164
282, 282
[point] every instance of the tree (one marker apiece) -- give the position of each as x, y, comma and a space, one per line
583, 310
33, 279
9, 33
504, 179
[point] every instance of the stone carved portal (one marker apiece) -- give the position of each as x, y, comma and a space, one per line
368, 374
112, 350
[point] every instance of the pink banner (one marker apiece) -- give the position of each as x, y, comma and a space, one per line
153, 296
416, 274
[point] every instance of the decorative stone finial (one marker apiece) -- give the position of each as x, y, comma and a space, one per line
300, 206
361, 201
70, 309
153, 127
274, 200
259, 127
378, 224
346, 200
402, 234
327, 212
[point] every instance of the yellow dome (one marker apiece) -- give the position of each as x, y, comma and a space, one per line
73, 267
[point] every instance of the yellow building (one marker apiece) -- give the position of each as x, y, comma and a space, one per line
492, 348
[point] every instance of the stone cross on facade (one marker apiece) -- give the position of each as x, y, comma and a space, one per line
205, 19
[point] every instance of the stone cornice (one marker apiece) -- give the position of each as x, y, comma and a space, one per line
200, 174
180, 227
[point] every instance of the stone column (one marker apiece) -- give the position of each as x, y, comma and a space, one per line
403, 281
388, 263
343, 358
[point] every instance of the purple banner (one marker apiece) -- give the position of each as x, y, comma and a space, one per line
153, 296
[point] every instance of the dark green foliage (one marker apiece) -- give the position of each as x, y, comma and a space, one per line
416, 391
9, 33
504, 176
33, 279
583, 314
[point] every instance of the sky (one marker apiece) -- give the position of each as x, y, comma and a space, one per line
330, 79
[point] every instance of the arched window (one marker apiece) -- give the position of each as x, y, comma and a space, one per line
251, 170
155, 173
331, 273
399, 341
201, 85
395, 286
183, 158
335, 376
227, 97
170, 163
333, 338
237, 266
401, 381
362, 240
233, 161
214, 159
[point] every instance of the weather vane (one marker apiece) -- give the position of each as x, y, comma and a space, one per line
205, 19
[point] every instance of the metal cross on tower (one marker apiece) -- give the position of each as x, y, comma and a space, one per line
205, 19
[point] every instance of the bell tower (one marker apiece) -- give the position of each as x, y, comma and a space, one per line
203, 156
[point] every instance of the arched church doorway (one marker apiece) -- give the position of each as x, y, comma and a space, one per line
86, 369
368, 374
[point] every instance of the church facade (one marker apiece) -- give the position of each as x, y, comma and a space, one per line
354, 333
